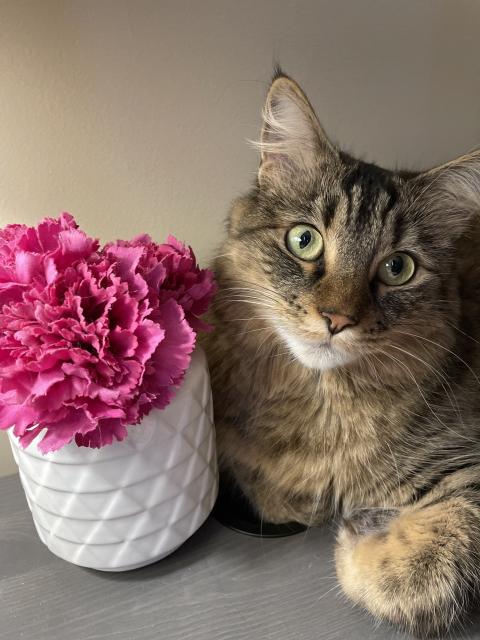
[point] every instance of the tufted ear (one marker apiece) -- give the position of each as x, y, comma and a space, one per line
451, 192
293, 144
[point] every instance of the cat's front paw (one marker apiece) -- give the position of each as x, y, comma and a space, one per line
414, 569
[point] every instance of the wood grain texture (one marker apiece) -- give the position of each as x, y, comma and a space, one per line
219, 586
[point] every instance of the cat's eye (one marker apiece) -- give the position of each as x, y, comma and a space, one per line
396, 269
305, 242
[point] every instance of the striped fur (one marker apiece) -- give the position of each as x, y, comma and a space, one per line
378, 426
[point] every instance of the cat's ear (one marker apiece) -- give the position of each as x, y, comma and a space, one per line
293, 144
451, 192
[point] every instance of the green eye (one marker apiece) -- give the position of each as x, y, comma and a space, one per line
305, 242
396, 269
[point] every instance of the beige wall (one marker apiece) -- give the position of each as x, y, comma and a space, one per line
133, 115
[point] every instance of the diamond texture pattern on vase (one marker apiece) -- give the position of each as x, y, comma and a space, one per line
132, 502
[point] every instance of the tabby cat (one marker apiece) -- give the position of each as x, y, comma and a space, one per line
346, 362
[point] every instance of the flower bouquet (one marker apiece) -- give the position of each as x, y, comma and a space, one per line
96, 349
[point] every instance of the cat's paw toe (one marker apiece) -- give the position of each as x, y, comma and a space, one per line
362, 522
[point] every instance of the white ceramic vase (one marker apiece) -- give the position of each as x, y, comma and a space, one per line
133, 502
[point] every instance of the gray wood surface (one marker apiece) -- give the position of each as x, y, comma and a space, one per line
219, 585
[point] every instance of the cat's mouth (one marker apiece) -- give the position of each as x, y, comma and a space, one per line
316, 353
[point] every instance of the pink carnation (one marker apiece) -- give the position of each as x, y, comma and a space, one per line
190, 286
92, 340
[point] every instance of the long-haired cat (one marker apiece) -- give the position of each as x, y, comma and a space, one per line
346, 362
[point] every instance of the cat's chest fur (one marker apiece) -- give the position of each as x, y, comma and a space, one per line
300, 437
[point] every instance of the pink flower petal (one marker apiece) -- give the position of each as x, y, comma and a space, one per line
45, 380
63, 431
123, 343
103, 434
27, 265
149, 335
172, 356
17, 416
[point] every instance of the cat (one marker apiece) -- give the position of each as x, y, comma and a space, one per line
345, 362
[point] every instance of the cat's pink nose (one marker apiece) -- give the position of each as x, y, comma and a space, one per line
337, 322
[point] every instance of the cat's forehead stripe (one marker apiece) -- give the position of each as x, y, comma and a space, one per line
329, 210
371, 194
